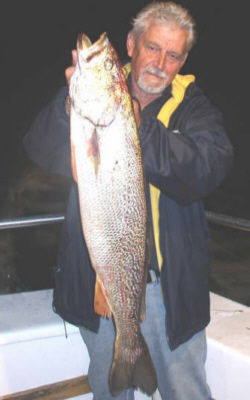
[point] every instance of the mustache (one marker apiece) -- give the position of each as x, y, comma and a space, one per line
155, 71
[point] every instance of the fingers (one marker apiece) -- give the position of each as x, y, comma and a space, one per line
74, 57
136, 108
70, 70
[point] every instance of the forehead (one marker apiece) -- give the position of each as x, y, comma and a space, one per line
165, 35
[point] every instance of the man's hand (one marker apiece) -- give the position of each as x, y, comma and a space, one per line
70, 70
136, 108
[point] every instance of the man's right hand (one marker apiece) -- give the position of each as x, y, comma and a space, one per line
70, 70
136, 108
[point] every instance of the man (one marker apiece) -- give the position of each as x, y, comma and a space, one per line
186, 155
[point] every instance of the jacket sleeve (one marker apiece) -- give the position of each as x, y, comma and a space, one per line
47, 142
189, 162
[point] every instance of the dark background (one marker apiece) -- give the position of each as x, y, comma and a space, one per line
36, 41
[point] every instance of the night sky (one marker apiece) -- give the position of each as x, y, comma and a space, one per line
36, 42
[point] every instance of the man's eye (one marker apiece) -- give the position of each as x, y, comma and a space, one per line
173, 56
152, 48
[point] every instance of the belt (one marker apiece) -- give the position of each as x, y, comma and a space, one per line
153, 276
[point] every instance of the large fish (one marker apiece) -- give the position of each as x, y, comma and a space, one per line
107, 165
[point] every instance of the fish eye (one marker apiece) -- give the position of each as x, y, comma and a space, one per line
108, 64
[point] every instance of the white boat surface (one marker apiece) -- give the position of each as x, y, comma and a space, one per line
34, 350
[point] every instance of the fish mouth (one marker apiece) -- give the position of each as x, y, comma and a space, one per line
95, 57
88, 49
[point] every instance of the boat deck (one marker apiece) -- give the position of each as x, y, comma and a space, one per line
34, 350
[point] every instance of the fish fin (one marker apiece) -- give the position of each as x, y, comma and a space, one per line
148, 254
94, 151
101, 305
142, 314
139, 374
73, 163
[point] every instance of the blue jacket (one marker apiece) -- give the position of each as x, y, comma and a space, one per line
186, 159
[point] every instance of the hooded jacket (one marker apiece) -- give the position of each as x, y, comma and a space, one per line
186, 155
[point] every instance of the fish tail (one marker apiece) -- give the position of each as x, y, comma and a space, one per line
138, 374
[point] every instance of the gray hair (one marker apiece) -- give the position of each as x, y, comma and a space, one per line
165, 12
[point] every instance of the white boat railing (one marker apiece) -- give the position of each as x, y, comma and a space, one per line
36, 220
46, 219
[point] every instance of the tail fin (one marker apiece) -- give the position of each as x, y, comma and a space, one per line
126, 374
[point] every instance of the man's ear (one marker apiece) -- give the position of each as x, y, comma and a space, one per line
130, 43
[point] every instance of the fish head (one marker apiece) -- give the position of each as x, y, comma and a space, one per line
98, 84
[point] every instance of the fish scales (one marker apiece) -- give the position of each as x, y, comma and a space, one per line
107, 165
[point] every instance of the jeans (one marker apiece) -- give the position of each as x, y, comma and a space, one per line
180, 373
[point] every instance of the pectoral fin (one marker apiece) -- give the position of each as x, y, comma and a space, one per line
93, 151
148, 255
101, 306
73, 162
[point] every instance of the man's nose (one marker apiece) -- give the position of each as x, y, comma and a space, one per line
161, 61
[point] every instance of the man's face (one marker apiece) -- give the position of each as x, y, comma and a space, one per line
157, 56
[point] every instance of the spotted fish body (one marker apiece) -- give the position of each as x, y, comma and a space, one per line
107, 165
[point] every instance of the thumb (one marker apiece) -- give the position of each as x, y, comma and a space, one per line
70, 70
74, 57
